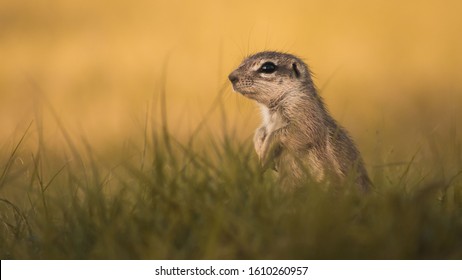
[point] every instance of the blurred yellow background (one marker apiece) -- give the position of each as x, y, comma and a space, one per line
388, 68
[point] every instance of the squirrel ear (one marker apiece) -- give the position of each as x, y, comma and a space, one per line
296, 71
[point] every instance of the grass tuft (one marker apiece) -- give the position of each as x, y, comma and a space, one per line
169, 200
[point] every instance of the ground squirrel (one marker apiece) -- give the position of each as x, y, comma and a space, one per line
297, 134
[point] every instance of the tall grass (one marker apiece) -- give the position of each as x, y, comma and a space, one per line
208, 199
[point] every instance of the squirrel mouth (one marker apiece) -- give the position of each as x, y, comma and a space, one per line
241, 90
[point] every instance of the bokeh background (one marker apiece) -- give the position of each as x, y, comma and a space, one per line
390, 71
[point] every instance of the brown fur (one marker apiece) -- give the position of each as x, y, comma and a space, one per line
297, 132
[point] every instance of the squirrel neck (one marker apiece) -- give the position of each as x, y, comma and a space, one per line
300, 97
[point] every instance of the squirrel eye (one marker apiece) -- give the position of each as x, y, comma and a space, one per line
268, 67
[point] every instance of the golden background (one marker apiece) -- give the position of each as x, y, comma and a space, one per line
389, 71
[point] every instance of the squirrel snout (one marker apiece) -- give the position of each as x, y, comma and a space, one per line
233, 77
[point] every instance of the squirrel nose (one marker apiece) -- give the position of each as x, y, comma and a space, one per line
233, 77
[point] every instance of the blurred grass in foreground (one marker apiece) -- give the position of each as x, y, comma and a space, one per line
163, 199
